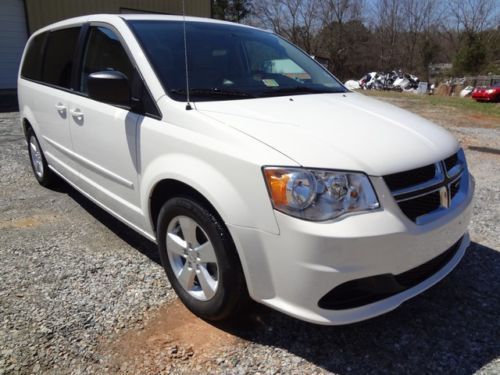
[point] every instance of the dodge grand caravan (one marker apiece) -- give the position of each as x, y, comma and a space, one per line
256, 172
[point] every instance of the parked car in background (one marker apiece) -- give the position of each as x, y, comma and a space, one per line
487, 94
262, 177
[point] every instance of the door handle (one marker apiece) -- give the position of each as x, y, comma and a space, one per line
60, 107
77, 114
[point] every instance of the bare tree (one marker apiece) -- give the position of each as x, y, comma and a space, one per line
467, 18
296, 20
267, 14
309, 14
388, 26
419, 17
473, 16
342, 11
342, 20
471, 31
368, 35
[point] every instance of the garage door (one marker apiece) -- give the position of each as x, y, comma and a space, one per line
13, 36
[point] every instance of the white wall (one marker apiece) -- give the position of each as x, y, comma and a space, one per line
13, 36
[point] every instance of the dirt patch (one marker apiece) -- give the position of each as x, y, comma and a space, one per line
26, 222
174, 336
477, 121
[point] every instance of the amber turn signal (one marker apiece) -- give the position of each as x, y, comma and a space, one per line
277, 181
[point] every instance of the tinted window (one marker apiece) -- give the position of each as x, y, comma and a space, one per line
229, 62
58, 60
104, 52
32, 65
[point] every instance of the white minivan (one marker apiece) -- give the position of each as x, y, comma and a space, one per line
256, 172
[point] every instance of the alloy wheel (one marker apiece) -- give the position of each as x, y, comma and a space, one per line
192, 257
36, 156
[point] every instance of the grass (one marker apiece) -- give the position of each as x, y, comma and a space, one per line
465, 104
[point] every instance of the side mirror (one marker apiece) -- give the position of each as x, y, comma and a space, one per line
110, 87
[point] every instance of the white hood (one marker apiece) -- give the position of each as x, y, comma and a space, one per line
338, 131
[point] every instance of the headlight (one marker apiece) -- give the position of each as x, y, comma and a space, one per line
490, 91
319, 195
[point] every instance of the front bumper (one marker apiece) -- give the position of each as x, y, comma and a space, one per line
483, 97
292, 271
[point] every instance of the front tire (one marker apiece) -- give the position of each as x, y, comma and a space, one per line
200, 259
43, 174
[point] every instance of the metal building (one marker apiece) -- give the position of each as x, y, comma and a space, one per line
13, 36
20, 18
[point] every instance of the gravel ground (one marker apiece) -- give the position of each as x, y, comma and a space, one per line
81, 293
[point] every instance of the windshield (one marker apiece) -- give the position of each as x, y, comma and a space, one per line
229, 62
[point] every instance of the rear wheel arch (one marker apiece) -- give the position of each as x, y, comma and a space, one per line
28, 121
43, 174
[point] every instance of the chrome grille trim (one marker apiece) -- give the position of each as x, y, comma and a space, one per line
438, 178
452, 182
436, 188
457, 169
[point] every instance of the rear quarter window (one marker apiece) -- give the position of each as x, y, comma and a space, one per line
32, 65
59, 53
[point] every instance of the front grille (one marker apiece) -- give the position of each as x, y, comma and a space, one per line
404, 179
454, 188
419, 206
422, 191
451, 161
360, 292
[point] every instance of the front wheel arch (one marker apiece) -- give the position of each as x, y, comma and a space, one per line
26, 127
170, 188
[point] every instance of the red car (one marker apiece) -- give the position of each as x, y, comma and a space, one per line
487, 94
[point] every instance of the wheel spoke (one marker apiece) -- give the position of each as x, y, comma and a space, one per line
194, 265
175, 244
186, 277
188, 227
207, 283
206, 253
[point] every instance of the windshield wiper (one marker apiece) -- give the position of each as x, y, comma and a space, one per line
213, 92
299, 90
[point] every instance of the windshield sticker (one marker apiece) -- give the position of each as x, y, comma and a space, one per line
270, 82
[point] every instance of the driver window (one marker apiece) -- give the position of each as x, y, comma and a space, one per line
104, 52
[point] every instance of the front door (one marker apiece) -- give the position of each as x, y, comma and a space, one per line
104, 135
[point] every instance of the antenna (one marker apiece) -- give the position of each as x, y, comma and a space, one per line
188, 104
